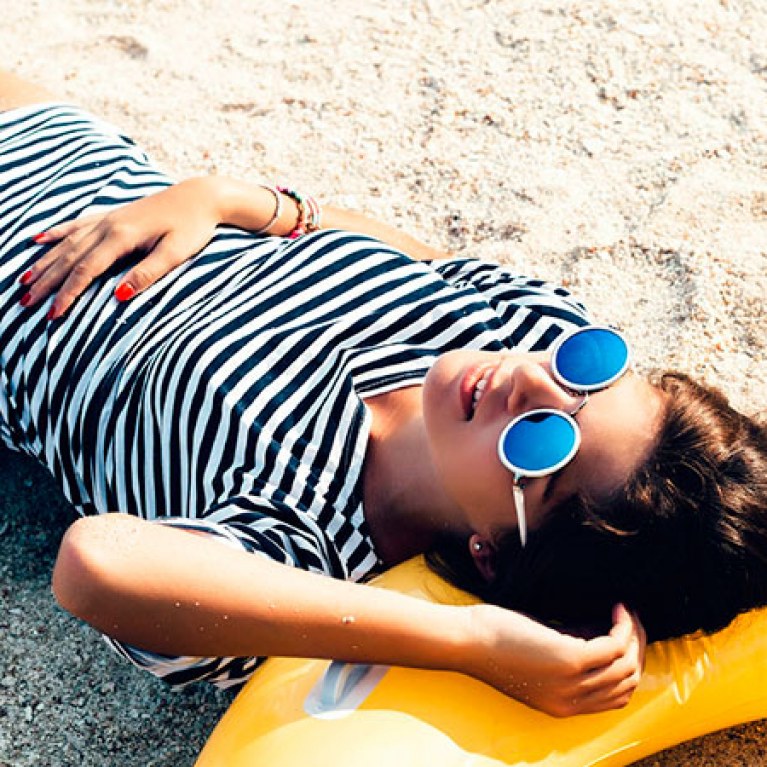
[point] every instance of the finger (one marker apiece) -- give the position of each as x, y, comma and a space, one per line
642, 637
637, 638
579, 701
60, 231
610, 678
623, 693
167, 254
100, 257
603, 650
607, 699
65, 253
623, 627
56, 273
626, 669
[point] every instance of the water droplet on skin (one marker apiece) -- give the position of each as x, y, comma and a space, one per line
226, 617
196, 604
347, 619
202, 628
177, 604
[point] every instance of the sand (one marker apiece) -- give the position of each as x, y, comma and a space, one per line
616, 146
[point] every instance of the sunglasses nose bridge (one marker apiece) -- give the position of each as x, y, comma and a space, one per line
533, 386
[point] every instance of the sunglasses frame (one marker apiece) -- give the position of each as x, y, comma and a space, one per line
519, 475
580, 388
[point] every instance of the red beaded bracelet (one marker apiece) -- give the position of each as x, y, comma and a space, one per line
309, 212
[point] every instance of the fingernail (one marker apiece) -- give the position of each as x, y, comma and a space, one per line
40, 237
125, 292
51, 314
26, 277
25, 299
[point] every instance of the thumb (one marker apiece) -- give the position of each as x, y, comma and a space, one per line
623, 622
163, 258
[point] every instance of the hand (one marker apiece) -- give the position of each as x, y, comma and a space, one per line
169, 227
556, 673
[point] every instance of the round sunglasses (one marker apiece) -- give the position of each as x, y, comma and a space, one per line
542, 441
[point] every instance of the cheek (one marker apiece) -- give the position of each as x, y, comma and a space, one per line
536, 508
472, 475
450, 462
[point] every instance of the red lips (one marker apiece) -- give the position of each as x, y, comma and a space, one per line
466, 389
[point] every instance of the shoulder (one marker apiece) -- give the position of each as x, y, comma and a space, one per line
507, 289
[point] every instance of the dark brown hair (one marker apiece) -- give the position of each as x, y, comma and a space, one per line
684, 542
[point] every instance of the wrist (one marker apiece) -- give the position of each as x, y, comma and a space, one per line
483, 641
308, 218
222, 194
469, 641
257, 208
409, 631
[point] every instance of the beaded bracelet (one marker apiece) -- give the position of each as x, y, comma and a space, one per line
277, 209
309, 212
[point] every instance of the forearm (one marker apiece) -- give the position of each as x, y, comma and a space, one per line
338, 218
252, 207
169, 591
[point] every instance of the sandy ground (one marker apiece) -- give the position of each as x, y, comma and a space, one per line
617, 146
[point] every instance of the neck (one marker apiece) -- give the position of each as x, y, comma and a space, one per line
405, 504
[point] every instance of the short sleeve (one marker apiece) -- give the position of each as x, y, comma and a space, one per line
273, 529
257, 527
6, 436
534, 312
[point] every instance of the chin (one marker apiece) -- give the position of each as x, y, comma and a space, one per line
440, 387
446, 372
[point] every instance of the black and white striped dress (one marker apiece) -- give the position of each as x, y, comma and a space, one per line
230, 395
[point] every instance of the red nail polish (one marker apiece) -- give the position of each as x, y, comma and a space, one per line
125, 292
51, 314
25, 299
39, 237
26, 277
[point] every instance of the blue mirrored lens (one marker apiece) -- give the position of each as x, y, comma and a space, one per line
539, 441
591, 358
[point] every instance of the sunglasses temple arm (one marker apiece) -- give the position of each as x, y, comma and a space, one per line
581, 404
519, 506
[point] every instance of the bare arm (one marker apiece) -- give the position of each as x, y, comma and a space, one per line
338, 218
119, 574
249, 206
170, 227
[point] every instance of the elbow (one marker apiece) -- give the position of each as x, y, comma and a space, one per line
84, 574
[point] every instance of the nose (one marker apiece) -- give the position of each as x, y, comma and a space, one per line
532, 387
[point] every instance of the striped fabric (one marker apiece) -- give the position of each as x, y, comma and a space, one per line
229, 397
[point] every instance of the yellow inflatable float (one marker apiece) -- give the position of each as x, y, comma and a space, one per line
299, 713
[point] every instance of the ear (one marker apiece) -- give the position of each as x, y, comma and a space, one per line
483, 553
